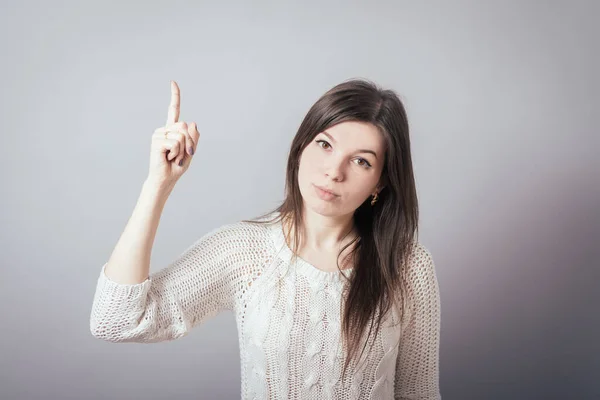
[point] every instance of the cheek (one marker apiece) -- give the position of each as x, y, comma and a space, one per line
310, 155
363, 186
309, 162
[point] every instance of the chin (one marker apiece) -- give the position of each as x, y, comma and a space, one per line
326, 209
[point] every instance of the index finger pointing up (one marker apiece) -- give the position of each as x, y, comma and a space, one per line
173, 115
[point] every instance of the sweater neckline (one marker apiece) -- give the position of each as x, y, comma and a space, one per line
302, 266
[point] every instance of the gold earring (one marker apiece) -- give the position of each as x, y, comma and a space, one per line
374, 199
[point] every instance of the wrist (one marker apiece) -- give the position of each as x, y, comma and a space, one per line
156, 188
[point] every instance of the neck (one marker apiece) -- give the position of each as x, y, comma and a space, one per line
324, 233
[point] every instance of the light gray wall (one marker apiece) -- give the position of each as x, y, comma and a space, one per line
503, 103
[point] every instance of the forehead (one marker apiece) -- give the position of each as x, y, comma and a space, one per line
354, 134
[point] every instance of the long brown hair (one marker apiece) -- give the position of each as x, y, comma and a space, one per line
387, 229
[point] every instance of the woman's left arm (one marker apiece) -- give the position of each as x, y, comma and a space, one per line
417, 365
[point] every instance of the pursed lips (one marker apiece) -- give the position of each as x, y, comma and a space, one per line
326, 190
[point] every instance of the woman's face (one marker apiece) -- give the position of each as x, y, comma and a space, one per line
346, 159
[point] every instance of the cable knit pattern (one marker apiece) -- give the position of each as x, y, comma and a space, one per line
287, 314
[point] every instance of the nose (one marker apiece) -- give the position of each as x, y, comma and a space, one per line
333, 170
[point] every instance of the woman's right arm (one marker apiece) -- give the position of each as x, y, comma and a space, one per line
130, 305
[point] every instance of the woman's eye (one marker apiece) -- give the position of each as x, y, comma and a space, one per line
322, 141
365, 164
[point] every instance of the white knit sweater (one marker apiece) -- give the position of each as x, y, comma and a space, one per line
289, 328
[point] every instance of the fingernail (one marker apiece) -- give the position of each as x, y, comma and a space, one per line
180, 163
191, 151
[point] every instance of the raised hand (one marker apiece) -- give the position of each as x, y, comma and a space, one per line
172, 146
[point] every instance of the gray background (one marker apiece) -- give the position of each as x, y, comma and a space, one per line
502, 99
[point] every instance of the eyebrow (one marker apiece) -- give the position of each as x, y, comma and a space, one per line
359, 150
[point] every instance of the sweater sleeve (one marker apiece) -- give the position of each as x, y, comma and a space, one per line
198, 284
417, 365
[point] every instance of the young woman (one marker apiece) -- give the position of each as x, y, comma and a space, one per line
333, 294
